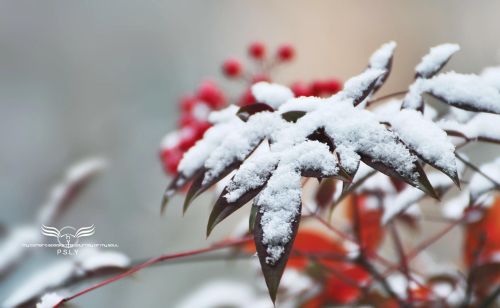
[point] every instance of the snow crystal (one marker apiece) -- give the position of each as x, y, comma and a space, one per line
381, 57
491, 75
195, 157
435, 59
270, 93
49, 300
239, 142
425, 138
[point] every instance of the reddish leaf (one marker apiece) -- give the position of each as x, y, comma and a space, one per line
177, 183
246, 112
324, 194
422, 181
293, 116
223, 208
487, 226
273, 272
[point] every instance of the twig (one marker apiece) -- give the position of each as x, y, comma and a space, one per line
402, 260
475, 168
471, 277
491, 299
214, 247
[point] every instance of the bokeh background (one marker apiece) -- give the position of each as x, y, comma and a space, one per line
86, 78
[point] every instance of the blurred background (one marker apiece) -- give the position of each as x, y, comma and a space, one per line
86, 78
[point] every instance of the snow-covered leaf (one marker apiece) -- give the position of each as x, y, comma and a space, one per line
246, 111
435, 60
268, 247
382, 59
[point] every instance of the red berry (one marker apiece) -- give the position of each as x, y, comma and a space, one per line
232, 68
187, 102
318, 87
257, 50
301, 89
286, 52
170, 158
187, 138
209, 93
186, 119
201, 128
247, 98
333, 85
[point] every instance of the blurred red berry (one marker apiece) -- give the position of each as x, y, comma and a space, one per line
186, 119
257, 50
187, 138
209, 93
318, 87
232, 68
286, 52
333, 85
247, 98
201, 128
187, 102
170, 158
301, 89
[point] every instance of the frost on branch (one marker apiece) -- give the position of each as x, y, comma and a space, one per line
481, 127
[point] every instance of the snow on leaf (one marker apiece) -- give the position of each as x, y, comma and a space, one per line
246, 183
57, 274
382, 59
273, 268
434, 61
491, 75
465, 91
279, 202
49, 300
12, 250
482, 127
361, 86
428, 140
271, 94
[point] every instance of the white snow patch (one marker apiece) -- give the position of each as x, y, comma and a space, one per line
435, 59
49, 300
425, 138
381, 57
491, 75
271, 93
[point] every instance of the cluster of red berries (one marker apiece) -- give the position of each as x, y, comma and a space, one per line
192, 124
195, 108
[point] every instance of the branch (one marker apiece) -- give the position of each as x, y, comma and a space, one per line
217, 246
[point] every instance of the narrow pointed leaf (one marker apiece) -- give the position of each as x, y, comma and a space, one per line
273, 272
222, 208
324, 194
422, 182
252, 217
177, 183
435, 60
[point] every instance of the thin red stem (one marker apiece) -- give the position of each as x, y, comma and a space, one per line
217, 246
